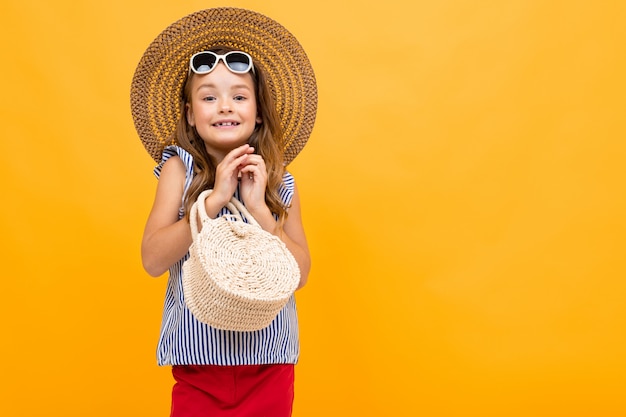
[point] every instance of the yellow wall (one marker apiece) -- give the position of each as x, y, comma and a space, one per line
463, 192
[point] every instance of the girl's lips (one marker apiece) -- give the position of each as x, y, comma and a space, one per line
226, 123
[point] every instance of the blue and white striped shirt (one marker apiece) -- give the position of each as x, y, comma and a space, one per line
187, 341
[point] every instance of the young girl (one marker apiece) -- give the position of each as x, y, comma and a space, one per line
228, 137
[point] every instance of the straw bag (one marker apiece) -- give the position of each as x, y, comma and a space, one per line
238, 276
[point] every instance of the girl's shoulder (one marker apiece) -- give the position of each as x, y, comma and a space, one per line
174, 151
287, 188
288, 178
289, 182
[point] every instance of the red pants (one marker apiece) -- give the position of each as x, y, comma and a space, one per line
233, 391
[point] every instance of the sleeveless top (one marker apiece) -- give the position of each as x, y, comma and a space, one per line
186, 341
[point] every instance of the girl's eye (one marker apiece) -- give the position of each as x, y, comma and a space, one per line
209, 98
239, 98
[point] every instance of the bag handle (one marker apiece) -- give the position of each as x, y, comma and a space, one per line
199, 209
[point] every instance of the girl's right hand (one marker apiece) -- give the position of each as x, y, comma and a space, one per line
226, 178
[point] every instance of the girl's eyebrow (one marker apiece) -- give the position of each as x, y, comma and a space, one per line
233, 87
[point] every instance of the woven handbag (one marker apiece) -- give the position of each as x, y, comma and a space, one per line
238, 276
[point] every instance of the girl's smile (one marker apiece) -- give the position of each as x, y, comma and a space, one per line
225, 124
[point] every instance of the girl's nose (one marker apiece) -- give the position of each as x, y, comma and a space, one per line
225, 108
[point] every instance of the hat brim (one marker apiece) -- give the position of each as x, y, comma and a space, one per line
158, 80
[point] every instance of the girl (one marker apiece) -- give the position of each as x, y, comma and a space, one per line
229, 138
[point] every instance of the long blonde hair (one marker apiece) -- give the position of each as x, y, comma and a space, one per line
267, 140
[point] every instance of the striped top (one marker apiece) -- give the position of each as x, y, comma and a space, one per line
186, 341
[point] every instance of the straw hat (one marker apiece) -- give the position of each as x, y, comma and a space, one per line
157, 84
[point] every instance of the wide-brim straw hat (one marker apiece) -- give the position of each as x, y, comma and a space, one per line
156, 90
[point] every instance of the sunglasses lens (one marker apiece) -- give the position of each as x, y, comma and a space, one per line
203, 62
238, 62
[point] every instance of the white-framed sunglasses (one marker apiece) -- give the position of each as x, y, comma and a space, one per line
206, 61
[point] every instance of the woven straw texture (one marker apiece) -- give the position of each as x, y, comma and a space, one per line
157, 83
238, 276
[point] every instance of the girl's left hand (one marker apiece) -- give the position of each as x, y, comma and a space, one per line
254, 182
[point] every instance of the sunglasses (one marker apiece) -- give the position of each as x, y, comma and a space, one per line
206, 61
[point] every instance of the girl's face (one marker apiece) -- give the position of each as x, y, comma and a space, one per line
222, 107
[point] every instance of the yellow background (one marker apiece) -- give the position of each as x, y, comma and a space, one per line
463, 193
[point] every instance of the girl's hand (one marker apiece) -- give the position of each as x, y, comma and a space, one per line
227, 174
253, 183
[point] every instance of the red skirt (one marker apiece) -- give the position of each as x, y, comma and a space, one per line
233, 391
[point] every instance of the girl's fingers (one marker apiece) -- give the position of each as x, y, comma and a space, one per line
255, 166
235, 159
228, 171
239, 152
255, 161
242, 164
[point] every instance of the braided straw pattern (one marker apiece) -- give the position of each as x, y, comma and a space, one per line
238, 276
158, 80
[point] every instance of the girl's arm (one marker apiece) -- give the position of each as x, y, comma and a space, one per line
292, 234
295, 238
166, 239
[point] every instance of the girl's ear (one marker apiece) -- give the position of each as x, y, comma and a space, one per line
259, 120
189, 112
